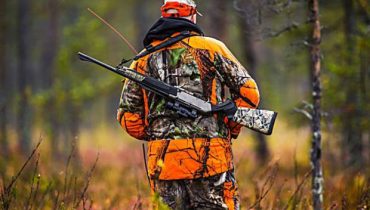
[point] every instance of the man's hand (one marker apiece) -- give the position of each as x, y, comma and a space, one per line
119, 114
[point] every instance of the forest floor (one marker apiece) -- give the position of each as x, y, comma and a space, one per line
118, 180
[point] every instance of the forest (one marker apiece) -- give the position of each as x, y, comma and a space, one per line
62, 148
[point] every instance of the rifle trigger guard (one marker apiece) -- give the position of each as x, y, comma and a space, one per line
228, 108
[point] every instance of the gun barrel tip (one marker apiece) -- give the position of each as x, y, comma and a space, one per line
82, 56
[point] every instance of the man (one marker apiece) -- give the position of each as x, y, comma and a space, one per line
189, 160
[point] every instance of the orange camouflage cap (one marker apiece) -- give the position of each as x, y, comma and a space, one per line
184, 7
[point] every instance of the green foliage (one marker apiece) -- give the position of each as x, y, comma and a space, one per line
159, 203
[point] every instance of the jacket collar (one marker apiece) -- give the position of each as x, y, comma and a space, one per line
165, 27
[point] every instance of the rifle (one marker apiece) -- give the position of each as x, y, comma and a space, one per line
188, 105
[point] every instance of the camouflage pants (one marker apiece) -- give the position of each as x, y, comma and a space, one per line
216, 192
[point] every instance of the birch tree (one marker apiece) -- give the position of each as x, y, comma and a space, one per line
315, 66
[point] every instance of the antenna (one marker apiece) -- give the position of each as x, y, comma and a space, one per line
114, 30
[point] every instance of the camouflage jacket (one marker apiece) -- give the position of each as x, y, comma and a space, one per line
202, 148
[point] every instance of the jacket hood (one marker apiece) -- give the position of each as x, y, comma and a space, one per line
165, 27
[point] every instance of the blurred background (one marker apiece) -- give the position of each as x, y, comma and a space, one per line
47, 93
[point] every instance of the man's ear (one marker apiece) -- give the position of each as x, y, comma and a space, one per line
194, 18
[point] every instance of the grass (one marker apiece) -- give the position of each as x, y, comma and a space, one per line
36, 187
111, 175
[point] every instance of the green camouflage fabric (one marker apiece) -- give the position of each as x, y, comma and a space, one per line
193, 70
200, 194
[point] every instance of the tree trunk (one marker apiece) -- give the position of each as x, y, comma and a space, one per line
352, 132
3, 83
143, 21
315, 55
50, 44
363, 88
50, 51
217, 19
23, 77
248, 32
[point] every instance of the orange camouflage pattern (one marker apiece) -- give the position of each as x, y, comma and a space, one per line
200, 147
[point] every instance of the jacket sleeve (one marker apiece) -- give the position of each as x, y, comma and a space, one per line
131, 111
243, 89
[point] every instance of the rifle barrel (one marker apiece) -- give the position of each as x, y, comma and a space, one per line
87, 58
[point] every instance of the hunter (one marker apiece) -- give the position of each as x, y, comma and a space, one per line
190, 162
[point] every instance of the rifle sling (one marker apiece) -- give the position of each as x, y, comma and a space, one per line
150, 48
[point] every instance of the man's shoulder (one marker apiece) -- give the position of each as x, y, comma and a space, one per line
206, 43
211, 44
